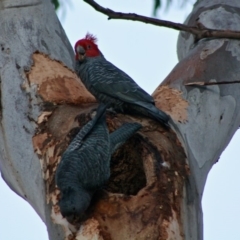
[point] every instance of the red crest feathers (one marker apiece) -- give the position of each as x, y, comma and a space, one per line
91, 37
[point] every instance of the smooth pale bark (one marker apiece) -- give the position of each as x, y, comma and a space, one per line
26, 26
151, 194
213, 111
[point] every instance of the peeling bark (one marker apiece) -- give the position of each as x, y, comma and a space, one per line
158, 176
171, 101
139, 177
56, 83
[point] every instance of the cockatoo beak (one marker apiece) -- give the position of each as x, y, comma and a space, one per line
81, 53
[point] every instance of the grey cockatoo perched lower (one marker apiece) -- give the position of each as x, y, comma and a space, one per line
85, 165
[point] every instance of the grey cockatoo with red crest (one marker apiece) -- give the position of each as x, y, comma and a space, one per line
111, 85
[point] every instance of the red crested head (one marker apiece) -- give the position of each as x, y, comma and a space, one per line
86, 47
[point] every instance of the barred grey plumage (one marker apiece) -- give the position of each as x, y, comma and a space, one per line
111, 85
122, 134
85, 165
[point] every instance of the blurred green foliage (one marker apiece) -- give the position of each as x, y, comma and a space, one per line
157, 4
56, 4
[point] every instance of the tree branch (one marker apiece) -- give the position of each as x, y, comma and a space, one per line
199, 31
210, 83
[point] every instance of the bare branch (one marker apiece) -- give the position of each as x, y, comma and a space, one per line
210, 83
199, 31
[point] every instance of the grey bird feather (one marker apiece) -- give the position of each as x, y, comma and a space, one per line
85, 165
122, 134
111, 85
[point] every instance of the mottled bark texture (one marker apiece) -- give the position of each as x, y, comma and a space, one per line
213, 113
27, 83
158, 176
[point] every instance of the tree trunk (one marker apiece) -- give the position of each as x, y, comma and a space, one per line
158, 176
